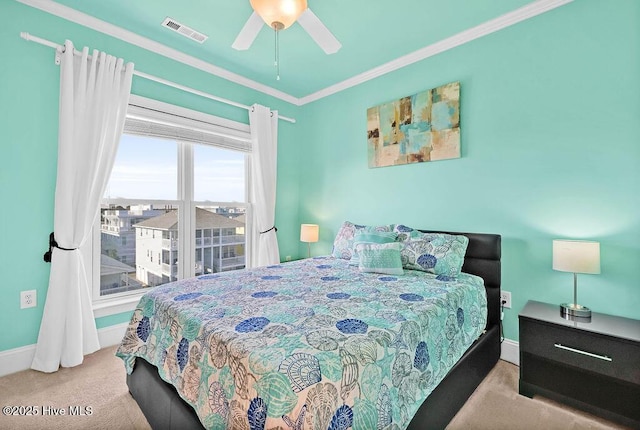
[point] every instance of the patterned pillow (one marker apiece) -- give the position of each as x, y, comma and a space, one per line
380, 257
370, 237
438, 253
343, 243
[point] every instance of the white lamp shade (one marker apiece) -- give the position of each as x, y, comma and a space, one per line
309, 232
577, 256
286, 12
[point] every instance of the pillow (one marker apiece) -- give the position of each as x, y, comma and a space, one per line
343, 243
437, 253
380, 257
375, 236
370, 237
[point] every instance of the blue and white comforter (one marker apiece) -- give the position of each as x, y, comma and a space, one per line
311, 344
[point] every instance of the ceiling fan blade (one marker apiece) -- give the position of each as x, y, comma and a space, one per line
317, 30
248, 33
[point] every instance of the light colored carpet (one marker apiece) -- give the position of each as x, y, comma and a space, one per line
496, 405
99, 383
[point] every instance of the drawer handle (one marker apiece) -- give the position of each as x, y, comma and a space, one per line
579, 351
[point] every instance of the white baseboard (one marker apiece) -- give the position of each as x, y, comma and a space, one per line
112, 335
510, 351
18, 359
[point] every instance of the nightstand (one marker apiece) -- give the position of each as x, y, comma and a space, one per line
593, 366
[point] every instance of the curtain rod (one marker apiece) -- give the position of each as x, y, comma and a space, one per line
31, 38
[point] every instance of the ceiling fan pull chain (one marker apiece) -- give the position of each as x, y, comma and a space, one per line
277, 59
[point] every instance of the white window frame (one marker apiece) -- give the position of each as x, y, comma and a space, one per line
229, 133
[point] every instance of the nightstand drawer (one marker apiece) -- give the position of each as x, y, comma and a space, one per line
578, 348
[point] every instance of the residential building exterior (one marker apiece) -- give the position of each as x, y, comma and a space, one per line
219, 243
116, 277
117, 234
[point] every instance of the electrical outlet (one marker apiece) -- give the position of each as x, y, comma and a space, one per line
505, 299
28, 299
287, 258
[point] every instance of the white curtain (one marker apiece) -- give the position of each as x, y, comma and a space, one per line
94, 94
264, 155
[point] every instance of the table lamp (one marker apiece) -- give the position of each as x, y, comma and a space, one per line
309, 233
577, 256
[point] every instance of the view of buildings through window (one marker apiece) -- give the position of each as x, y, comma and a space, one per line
139, 224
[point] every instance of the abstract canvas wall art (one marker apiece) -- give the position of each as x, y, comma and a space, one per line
414, 129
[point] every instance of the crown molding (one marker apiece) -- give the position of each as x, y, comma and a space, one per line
529, 11
96, 24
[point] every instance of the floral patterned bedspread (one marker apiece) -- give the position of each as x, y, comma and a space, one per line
311, 344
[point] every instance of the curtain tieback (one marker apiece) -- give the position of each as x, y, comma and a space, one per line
267, 231
54, 244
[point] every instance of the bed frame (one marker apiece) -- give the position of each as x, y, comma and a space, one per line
164, 409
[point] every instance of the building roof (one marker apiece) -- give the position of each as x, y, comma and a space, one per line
208, 219
204, 219
111, 266
166, 221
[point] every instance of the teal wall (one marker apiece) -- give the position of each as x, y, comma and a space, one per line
550, 123
550, 148
29, 86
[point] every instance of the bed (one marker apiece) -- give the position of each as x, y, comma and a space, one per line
259, 375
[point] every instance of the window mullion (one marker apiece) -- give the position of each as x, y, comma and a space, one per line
186, 213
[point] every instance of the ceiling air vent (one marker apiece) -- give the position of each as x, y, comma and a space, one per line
184, 30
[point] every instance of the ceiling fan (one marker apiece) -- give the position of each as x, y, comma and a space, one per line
280, 14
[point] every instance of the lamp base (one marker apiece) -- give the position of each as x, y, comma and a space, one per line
574, 310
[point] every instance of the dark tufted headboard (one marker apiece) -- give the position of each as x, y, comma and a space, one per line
483, 259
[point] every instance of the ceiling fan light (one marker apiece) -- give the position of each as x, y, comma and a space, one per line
285, 12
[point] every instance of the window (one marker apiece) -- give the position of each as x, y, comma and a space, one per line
178, 189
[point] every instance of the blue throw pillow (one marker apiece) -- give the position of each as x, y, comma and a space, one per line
380, 258
437, 253
343, 243
370, 237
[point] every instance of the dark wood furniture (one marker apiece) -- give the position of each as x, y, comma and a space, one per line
164, 409
590, 365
